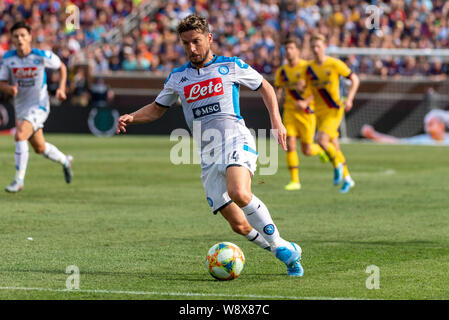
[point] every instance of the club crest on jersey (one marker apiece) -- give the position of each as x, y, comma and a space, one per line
204, 89
206, 110
25, 73
224, 70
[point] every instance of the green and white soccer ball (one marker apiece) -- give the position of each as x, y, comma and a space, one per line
225, 261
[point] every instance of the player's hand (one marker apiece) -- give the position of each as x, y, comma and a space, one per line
368, 131
348, 105
301, 105
301, 85
122, 122
60, 94
281, 134
13, 90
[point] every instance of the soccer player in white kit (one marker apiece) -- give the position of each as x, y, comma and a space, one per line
25, 68
208, 87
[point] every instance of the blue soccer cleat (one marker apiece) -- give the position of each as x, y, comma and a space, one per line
347, 185
338, 174
291, 258
296, 270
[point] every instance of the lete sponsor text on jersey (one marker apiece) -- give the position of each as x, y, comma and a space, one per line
25, 73
204, 89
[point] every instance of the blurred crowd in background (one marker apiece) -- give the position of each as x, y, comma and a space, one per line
251, 29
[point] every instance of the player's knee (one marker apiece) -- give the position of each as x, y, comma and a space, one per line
306, 150
240, 196
291, 144
241, 228
39, 149
322, 140
20, 135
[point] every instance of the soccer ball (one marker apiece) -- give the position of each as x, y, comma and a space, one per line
225, 261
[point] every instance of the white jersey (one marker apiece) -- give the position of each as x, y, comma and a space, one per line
29, 74
210, 95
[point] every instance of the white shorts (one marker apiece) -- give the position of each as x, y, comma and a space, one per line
242, 153
36, 115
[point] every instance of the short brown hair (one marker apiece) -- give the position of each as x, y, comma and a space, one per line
193, 22
20, 25
318, 36
295, 41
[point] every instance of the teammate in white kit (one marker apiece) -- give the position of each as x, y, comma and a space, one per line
25, 68
208, 87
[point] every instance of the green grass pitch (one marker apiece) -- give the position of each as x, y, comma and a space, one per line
139, 227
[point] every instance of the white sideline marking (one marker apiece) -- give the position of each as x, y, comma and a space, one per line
180, 294
387, 172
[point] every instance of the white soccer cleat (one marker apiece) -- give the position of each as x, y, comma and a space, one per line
15, 186
67, 168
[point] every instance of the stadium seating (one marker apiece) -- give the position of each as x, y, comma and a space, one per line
254, 32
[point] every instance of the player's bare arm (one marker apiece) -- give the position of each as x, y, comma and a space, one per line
148, 113
279, 92
301, 85
8, 89
355, 83
61, 91
270, 100
303, 104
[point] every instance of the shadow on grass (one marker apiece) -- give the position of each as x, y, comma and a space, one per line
161, 276
382, 243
